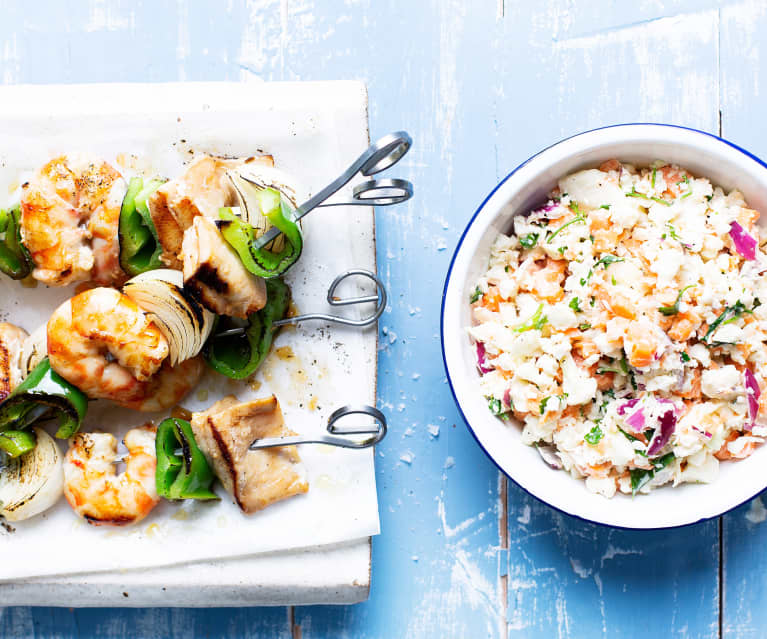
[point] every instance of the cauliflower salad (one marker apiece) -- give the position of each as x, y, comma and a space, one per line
622, 324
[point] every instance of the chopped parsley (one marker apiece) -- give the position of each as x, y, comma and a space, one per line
536, 322
685, 357
542, 406
585, 326
674, 309
601, 370
529, 240
635, 193
594, 436
687, 182
574, 305
495, 406
593, 301
475, 295
606, 207
652, 182
641, 476
728, 315
580, 218
562, 250
606, 260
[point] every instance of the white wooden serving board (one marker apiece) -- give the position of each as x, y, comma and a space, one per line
314, 130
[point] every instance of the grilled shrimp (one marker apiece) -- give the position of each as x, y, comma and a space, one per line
104, 344
70, 213
95, 490
168, 387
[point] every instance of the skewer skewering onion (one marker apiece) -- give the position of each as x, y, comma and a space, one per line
184, 322
247, 180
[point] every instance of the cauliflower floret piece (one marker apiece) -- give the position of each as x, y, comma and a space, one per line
579, 385
605, 486
722, 383
561, 316
704, 472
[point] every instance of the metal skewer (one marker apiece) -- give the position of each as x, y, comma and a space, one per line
379, 156
379, 298
345, 438
336, 436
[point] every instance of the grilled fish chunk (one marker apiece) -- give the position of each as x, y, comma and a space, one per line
202, 190
214, 273
255, 478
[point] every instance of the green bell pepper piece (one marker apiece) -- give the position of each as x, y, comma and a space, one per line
239, 356
241, 236
184, 476
140, 247
15, 260
15, 443
42, 392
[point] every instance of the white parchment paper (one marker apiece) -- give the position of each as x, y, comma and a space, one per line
313, 133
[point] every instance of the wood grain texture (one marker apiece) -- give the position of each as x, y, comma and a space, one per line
481, 86
744, 531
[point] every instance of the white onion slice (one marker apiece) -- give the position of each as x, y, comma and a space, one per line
248, 179
185, 322
34, 349
33, 482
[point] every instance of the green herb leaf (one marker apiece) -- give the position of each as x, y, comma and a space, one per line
606, 207
687, 182
674, 309
475, 295
562, 250
574, 305
495, 406
594, 436
580, 218
542, 406
685, 357
652, 182
606, 260
728, 315
635, 193
661, 462
585, 326
640, 477
529, 240
536, 322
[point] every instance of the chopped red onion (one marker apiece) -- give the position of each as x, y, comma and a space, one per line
702, 432
636, 421
550, 456
481, 359
744, 243
629, 404
752, 395
507, 398
662, 433
663, 400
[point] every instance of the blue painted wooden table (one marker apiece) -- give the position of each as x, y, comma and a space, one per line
481, 85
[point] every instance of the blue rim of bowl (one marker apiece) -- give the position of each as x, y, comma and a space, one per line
442, 320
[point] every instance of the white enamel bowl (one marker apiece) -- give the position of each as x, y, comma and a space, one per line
725, 165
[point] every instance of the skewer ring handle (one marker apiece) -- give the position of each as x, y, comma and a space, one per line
378, 432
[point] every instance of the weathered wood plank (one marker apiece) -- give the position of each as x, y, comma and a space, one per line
562, 70
744, 532
436, 562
